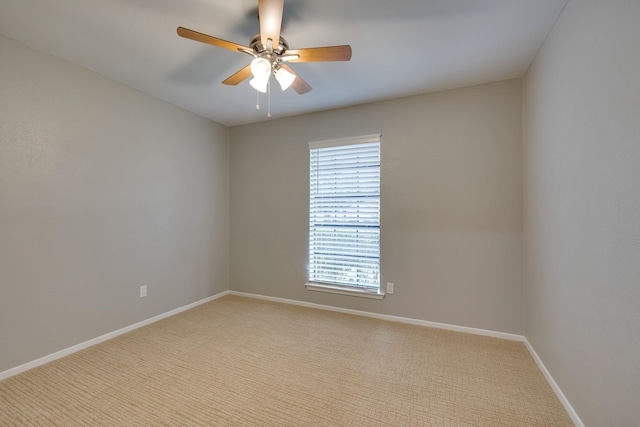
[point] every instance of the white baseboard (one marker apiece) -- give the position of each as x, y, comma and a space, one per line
67, 351
565, 402
475, 331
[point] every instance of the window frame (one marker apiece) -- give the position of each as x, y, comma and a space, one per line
345, 289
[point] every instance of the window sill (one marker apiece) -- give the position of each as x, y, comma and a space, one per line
343, 290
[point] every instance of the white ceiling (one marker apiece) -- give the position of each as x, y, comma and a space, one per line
400, 47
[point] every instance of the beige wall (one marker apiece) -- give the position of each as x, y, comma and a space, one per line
102, 189
582, 175
451, 205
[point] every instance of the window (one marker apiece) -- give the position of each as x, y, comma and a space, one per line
344, 216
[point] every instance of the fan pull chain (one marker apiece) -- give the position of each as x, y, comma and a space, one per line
257, 100
269, 98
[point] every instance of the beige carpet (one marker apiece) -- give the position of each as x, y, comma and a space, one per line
244, 362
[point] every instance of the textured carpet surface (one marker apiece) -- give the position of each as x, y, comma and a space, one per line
243, 362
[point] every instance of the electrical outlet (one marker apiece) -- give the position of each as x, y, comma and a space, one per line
389, 288
143, 291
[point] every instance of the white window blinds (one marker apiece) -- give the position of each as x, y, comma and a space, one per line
344, 212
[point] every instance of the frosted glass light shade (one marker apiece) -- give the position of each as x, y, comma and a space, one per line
285, 78
259, 84
261, 68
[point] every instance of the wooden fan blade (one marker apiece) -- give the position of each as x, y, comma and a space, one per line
204, 38
320, 54
239, 77
270, 15
298, 84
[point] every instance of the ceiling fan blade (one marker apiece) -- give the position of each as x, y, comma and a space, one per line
298, 84
270, 15
204, 38
320, 54
239, 77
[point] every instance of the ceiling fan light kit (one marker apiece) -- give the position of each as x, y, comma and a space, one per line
270, 57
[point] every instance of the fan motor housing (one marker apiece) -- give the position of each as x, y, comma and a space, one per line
260, 49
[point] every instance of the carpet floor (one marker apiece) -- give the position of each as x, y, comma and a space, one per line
239, 361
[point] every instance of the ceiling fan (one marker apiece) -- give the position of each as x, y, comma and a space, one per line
270, 52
